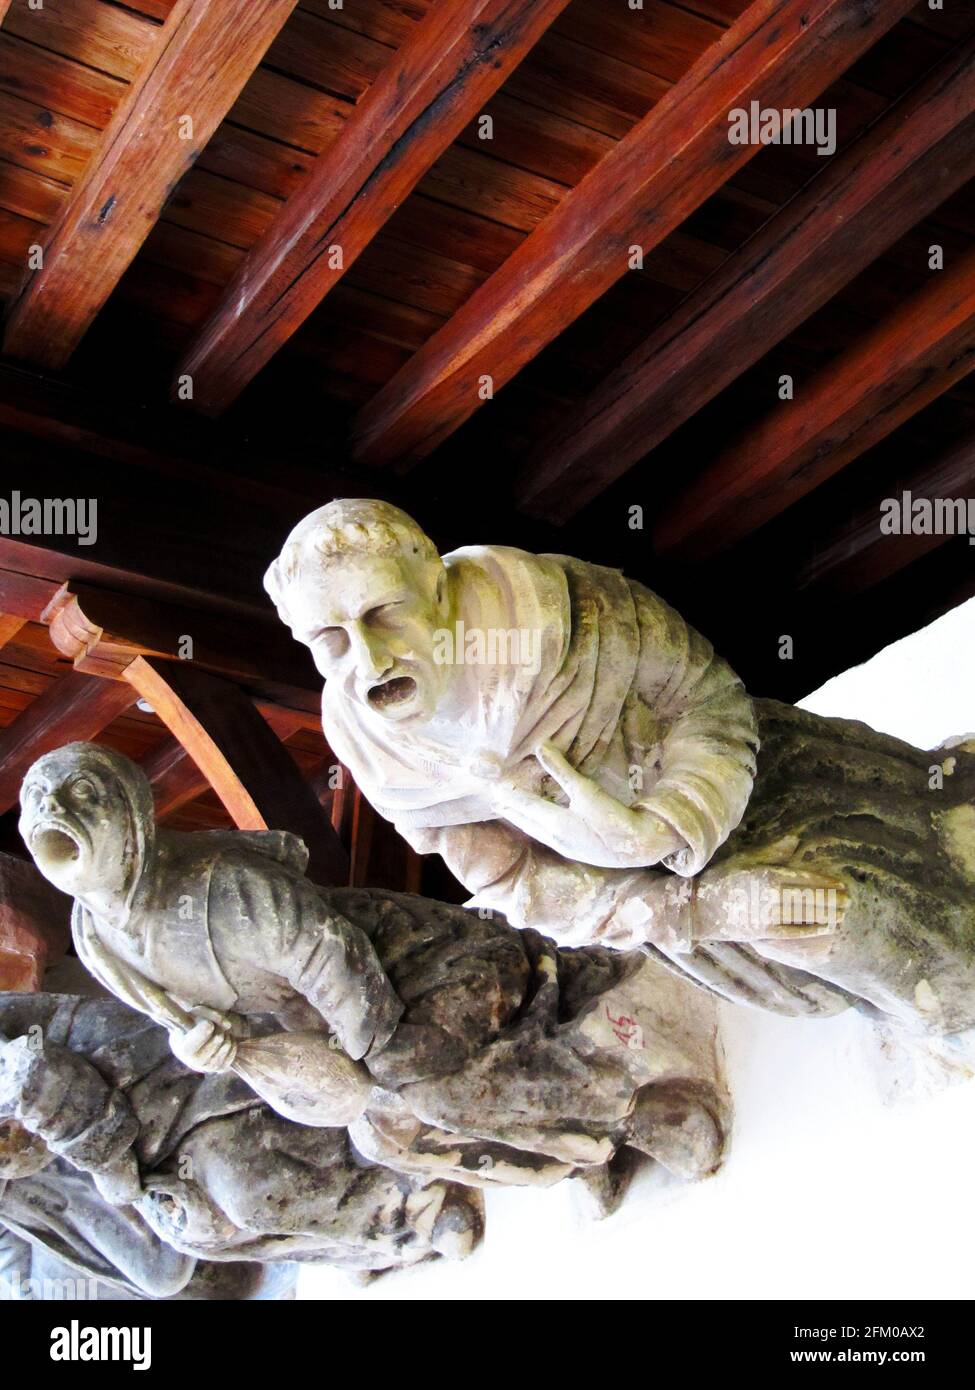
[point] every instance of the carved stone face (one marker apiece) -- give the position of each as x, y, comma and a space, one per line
75, 823
370, 623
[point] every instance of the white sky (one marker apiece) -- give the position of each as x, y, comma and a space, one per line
921, 689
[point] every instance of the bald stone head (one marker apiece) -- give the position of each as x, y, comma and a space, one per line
362, 586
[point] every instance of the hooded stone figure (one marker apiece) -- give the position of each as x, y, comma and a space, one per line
587, 764
490, 1055
219, 921
123, 1164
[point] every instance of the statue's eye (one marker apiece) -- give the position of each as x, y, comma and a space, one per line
386, 616
335, 640
83, 790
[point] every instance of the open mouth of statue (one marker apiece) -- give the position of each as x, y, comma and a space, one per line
398, 691
55, 847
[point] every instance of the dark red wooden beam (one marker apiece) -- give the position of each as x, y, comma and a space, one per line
197, 67
10, 625
886, 376
920, 153
103, 632
782, 53
438, 81
72, 708
240, 756
859, 554
176, 779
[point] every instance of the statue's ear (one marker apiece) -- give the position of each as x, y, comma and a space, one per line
271, 580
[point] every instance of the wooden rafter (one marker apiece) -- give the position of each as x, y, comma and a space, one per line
103, 633
440, 78
25, 597
241, 757
860, 554
209, 556
221, 737
890, 179
72, 708
782, 53
381, 858
201, 58
175, 777
176, 780
162, 449
829, 638
887, 375
10, 625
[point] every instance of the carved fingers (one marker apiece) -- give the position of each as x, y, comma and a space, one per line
768, 902
576, 786
206, 1047
624, 836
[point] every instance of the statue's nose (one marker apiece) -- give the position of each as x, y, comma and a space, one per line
371, 654
50, 804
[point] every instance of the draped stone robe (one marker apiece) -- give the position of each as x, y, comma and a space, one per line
228, 921
517, 1062
624, 683
632, 696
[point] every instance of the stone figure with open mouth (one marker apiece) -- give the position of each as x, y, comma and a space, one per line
624, 788
449, 1044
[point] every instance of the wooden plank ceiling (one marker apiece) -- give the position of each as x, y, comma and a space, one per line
258, 253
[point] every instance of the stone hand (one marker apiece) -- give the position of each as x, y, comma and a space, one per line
594, 827
206, 1047
767, 903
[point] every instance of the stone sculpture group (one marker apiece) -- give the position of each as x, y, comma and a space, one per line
290, 1074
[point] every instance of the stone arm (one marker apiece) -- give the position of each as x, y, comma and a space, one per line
291, 932
574, 904
708, 748
577, 905
390, 1135
699, 767
59, 1096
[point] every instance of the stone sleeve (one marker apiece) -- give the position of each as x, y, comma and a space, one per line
574, 904
295, 935
709, 733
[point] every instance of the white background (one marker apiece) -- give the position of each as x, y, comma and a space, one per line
829, 1191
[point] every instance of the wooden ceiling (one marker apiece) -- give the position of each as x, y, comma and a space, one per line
294, 207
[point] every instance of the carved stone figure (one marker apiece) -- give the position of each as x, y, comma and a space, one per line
489, 1055
585, 763
111, 1254
118, 1160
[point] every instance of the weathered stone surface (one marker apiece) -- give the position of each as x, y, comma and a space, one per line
136, 1171
451, 1044
585, 763
35, 926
